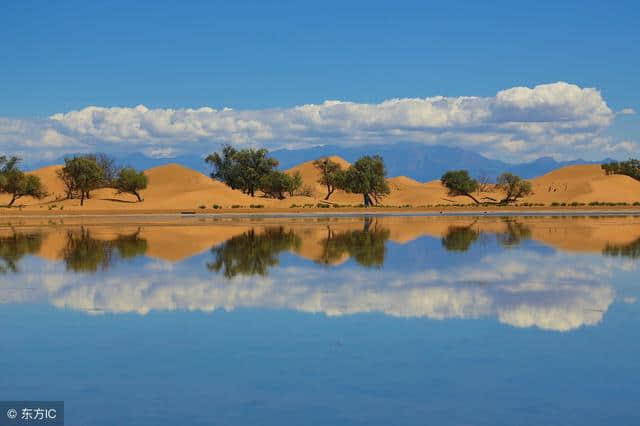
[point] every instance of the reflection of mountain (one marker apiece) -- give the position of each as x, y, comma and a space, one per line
83, 253
14, 247
252, 253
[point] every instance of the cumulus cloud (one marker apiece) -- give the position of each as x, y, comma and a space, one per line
551, 119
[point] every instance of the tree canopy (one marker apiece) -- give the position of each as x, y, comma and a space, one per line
241, 169
15, 182
331, 175
629, 168
458, 182
131, 181
514, 187
81, 174
275, 184
367, 177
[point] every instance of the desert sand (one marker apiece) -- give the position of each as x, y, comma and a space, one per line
174, 188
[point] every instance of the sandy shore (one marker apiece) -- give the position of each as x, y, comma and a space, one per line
450, 210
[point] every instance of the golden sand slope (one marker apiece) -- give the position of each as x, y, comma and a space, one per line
584, 184
174, 187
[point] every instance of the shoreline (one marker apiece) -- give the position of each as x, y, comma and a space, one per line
310, 212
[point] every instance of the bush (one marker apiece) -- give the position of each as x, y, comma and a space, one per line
202, 206
322, 206
236, 206
256, 206
216, 206
637, 203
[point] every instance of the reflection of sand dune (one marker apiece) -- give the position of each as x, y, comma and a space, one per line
174, 240
554, 292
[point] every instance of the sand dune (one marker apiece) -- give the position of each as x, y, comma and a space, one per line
174, 187
584, 184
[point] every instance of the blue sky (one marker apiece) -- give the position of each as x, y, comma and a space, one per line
58, 57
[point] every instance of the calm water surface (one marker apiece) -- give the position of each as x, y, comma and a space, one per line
314, 321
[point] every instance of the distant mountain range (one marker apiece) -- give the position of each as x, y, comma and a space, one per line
420, 162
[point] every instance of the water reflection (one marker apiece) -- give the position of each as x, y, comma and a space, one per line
83, 253
367, 247
526, 285
460, 238
631, 250
253, 252
16, 246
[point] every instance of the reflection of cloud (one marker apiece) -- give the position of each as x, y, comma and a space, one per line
521, 288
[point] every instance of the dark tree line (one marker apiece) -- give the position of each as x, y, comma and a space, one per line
82, 174
460, 183
629, 168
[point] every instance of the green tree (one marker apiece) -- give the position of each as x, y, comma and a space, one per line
131, 181
629, 168
458, 182
241, 169
367, 177
514, 187
331, 175
15, 182
81, 175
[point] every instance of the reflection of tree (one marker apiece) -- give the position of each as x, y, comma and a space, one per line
460, 238
631, 250
367, 247
86, 254
252, 253
13, 248
516, 233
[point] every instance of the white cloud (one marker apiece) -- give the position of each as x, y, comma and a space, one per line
627, 111
549, 119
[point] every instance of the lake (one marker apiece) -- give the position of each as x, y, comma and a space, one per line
351, 320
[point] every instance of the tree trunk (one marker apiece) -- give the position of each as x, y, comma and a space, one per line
82, 199
367, 200
473, 198
13, 199
137, 196
329, 192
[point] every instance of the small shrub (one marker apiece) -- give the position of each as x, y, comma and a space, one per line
236, 206
256, 206
637, 203
202, 206
322, 206
216, 206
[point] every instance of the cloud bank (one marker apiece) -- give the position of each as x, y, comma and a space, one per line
557, 119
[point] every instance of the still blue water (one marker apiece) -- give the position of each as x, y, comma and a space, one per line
477, 328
